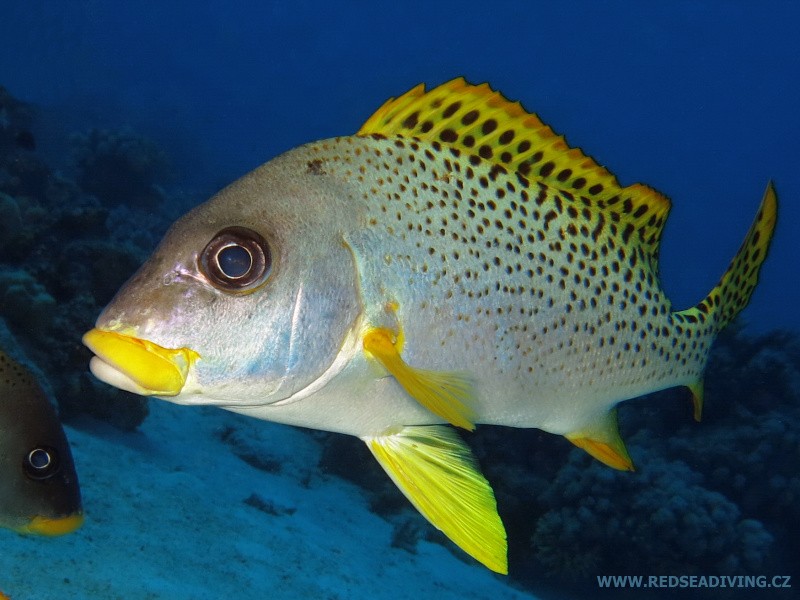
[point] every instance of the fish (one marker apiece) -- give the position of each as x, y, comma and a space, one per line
454, 262
39, 488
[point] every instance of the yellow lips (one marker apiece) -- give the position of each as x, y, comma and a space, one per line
53, 527
137, 365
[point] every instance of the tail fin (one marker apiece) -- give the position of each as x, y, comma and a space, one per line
734, 289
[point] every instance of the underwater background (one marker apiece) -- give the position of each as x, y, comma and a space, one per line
116, 117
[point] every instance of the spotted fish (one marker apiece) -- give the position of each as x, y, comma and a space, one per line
453, 262
39, 490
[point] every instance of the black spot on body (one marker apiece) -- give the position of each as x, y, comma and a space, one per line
448, 135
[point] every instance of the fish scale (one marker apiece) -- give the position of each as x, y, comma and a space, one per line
527, 266
454, 262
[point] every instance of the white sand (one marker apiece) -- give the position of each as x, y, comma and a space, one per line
166, 519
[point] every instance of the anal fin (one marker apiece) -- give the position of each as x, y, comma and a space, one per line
437, 472
444, 393
697, 398
602, 440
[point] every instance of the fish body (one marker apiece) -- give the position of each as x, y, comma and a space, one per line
39, 490
453, 262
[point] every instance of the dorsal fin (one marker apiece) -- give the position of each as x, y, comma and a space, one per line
482, 124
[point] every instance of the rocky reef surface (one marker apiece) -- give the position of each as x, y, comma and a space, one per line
68, 240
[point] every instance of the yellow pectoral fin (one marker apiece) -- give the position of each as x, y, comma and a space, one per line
445, 394
602, 441
437, 472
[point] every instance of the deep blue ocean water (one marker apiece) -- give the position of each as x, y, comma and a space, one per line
697, 99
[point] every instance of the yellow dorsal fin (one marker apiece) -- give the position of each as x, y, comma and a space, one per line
601, 439
445, 394
480, 121
482, 124
437, 472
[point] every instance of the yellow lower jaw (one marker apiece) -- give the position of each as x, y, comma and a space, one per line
152, 369
53, 527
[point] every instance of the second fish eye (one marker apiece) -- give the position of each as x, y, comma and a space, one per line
41, 463
237, 259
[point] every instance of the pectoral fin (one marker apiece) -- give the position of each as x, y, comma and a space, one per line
445, 394
601, 439
437, 472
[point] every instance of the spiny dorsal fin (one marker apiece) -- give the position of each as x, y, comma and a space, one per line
480, 123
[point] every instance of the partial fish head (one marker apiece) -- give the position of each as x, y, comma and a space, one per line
39, 491
248, 300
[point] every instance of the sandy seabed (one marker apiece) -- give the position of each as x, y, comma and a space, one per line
166, 518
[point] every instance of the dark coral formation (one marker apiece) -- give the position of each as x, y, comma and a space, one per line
66, 246
121, 167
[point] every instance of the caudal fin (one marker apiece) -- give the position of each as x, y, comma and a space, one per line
736, 286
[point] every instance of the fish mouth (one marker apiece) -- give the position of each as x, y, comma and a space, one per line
53, 526
136, 365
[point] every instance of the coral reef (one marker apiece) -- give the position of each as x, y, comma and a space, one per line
715, 497
121, 167
66, 247
660, 521
25, 303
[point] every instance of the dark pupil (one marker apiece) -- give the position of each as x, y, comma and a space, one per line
39, 459
234, 261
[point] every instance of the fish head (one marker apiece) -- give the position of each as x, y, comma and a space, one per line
248, 300
39, 490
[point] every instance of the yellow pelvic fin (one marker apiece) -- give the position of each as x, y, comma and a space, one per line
482, 124
697, 398
444, 393
437, 472
602, 441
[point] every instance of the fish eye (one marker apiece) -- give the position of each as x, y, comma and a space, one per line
41, 463
237, 259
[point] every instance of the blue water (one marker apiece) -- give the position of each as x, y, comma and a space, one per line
697, 99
